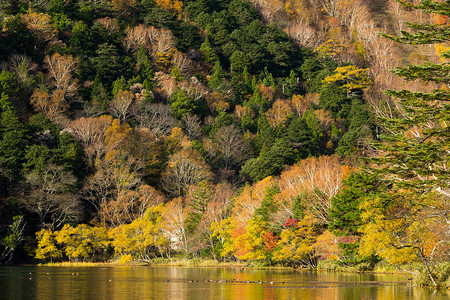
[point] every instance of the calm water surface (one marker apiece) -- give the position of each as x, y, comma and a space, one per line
201, 283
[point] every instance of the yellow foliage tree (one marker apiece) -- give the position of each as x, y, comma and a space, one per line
173, 5
143, 238
46, 247
41, 25
250, 244
330, 48
401, 232
222, 231
82, 241
296, 243
350, 78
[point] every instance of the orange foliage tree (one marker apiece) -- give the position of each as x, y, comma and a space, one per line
317, 180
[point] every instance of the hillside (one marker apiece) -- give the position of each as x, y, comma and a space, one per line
209, 126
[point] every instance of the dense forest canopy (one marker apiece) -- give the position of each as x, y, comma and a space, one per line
239, 130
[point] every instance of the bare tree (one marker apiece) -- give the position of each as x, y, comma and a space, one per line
49, 196
303, 34
229, 148
156, 117
13, 239
192, 126
60, 68
185, 168
153, 39
21, 65
91, 133
182, 62
121, 105
174, 222
111, 24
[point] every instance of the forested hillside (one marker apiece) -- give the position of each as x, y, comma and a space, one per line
237, 130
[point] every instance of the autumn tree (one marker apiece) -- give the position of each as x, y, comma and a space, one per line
351, 79
173, 5
46, 245
143, 238
250, 199
296, 243
115, 170
157, 117
82, 242
51, 105
414, 154
278, 114
316, 181
90, 131
61, 69
121, 105
129, 205
41, 25
185, 168
146, 152
229, 149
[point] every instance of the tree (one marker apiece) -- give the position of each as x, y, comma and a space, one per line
222, 232
172, 5
14, 138
278, 114
208, 53
181, 104
107, 63
296, 243
185, 168
250, 244
174, 223
129, 205
351, 79
46, 247
143, 238
315, 179
414, 154
18, 38
90, 131
61, 69
229, 149
270, 161
197, 200
82, 241
40, 25
345, 212
14, 237
121, 105
157, 117
49, 196
51, 105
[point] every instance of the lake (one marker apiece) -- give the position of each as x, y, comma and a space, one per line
162, 282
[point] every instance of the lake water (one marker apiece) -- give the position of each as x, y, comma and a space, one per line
201, 283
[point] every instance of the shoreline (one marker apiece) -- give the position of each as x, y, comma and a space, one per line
209, 263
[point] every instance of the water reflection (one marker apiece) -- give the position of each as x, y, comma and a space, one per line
200, 283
